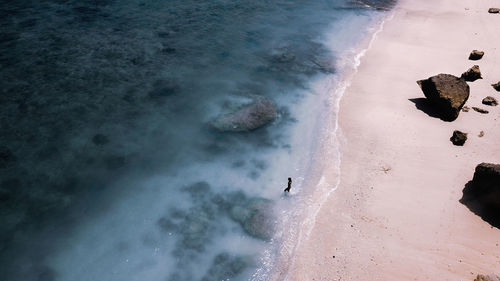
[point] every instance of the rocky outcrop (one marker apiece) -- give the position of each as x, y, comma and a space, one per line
476, 55
482, 194
259, 112
480, 110
472, 74
489, 100
255, 217
458, 138
494, 10
446, 93
496, 86
491, 277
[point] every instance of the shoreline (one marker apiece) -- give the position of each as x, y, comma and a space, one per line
395, 214
315, 184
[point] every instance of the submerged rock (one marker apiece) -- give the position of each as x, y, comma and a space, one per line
256, 217
480, 110
476, 55
114, 162
163, 88
6, 157
200, 192
167, 225
482, 194
458, 138
494, 10
496, 86
226, 267
489, 100
472, 74
490, 277
289, 61
259, 112
284, 57
194, 226
446, 93
196, 229
100, 139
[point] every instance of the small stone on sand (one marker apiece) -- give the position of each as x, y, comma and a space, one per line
491, 101
476, 55
480, 110
496, 86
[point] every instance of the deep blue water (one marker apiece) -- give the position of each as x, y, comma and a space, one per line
117, 159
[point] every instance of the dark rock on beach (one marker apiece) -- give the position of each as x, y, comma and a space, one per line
458, 138
482, 194
480, 110
496, 86
465, 109
249, 117
472, 74
490, 277
490, 101
476, 55
255, 217
494, 10
446, 93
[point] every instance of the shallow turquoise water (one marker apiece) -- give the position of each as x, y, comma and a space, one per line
111, 167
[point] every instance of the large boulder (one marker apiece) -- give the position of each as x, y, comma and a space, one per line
472, 74
446, 93
476, 55
259, 112
491, 277
458, 138
482, 194
489, 100
256, 218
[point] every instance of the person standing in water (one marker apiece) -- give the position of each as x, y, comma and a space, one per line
289, 185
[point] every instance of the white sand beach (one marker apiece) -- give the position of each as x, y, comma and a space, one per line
396, 213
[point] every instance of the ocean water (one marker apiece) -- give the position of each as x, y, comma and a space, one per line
152, 140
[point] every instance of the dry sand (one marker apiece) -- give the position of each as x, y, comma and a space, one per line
396, 214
